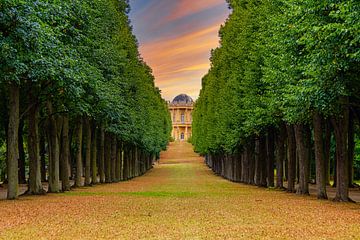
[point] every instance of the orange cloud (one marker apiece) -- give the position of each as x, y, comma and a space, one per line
180, 63
188, 7
199, 67
176, 37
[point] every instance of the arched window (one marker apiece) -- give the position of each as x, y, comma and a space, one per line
182, 137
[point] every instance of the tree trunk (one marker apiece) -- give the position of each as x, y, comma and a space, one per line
257, 176
65, 155
327, 147
251, 161
237, 166
35, 186
132, 162
54, 152
102, 155
87, 152
129, 162
301, 136
341, 130
125, 163
108, 158
113, 158
280, 156
291, 158
351, 149
94, 143
335, 168
244, 167
270, 158
79, 143
12, 142
262, 161
43, 156
319, 156
118, 161
21, 162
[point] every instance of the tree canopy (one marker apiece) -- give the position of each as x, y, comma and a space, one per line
279, 63
80, 60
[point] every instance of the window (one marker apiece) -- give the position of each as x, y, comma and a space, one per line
182, 118
174, 117
182, 137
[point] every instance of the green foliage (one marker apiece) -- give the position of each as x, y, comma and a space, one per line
83, 57
278, 62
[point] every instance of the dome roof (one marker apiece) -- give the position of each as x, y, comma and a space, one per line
182, 99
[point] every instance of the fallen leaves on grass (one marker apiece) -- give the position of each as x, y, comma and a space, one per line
182, 200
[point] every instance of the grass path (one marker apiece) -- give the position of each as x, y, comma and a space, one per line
179, 199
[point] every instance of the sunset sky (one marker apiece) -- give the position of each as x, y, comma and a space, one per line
176, 37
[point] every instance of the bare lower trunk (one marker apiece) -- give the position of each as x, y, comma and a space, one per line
302, 135
125, 171
35, 186
21, 162
87, 152
118, 161
108, 158
12, 142
94, 141
327, 147
102, 155
270, 158
257, 176
280, 156
113, 158
65, 155
351, 149
291, 158
319, 156
79, 164
335, 168
262, 161
341, 130
54, 152
238, 167
251, 161
42, 156
244, 167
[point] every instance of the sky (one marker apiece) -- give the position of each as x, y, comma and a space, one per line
175, 39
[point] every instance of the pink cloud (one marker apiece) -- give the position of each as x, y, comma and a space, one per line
182, 60
188, 7
176, 44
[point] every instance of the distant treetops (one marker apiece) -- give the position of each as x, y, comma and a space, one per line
71, 71
284, 80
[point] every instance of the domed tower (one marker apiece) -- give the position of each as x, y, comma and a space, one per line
181, 114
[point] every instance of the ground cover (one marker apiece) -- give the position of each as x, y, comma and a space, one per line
179, 199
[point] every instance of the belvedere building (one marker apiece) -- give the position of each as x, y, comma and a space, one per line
181, 115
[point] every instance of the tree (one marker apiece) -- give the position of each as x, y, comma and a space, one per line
289, 67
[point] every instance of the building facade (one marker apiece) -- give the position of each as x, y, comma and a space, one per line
181, 115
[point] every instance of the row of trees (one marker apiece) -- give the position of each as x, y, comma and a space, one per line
76, 98
283, 91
